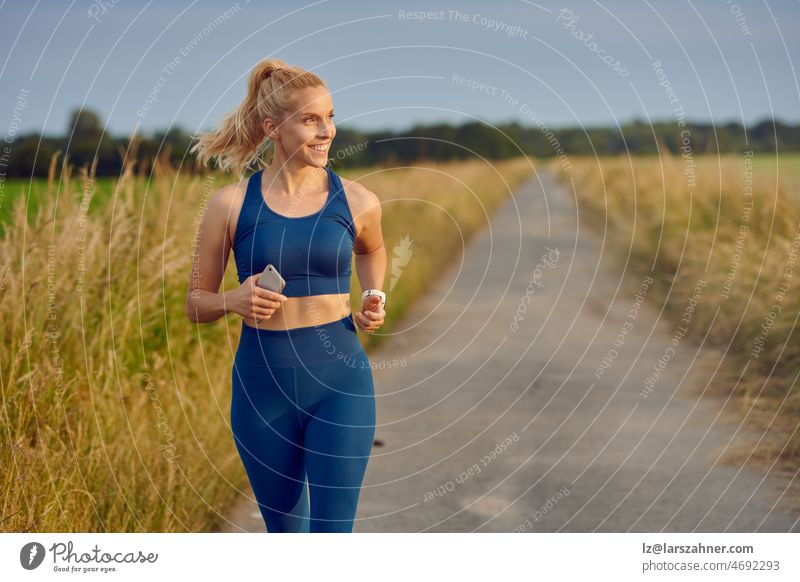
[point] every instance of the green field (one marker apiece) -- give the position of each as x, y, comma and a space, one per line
32, 192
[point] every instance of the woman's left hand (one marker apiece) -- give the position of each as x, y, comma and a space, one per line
371, 315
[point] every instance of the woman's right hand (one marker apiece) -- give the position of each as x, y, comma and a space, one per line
252, 301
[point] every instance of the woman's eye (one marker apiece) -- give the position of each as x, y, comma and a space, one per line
307, 119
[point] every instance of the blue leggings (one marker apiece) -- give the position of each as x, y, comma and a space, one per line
303, 420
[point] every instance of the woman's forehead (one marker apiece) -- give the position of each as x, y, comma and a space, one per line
313, 100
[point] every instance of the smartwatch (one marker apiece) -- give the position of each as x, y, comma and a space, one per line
381, 294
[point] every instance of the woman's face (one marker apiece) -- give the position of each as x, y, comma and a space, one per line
311, 124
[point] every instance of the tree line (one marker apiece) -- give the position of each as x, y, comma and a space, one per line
85, 140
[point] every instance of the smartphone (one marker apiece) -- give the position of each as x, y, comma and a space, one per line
271, 279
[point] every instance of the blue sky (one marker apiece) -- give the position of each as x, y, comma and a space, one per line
577, 62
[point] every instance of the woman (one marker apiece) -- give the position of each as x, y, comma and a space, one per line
303, 401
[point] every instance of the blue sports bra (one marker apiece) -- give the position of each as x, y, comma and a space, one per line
313, 253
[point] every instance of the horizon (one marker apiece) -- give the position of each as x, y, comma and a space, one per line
654, 122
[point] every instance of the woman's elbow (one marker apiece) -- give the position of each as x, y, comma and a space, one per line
190, 310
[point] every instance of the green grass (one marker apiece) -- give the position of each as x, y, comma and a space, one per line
31, 193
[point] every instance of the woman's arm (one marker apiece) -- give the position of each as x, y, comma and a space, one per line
204, 303
368, 248
370, 260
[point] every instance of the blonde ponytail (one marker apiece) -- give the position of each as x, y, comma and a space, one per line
240, 137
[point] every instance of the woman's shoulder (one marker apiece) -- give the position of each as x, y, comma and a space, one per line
359, 197
226, 204
365, 206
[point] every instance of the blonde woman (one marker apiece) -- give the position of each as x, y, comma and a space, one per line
303, 401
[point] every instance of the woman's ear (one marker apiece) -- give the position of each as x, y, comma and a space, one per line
270, 129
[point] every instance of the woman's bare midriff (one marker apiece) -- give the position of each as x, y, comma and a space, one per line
305, 311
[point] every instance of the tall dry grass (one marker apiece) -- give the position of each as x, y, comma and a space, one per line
115, 407
689, 222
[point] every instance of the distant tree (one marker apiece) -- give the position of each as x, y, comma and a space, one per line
87, 140
84, 124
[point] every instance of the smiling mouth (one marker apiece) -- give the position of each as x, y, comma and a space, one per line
321, 149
